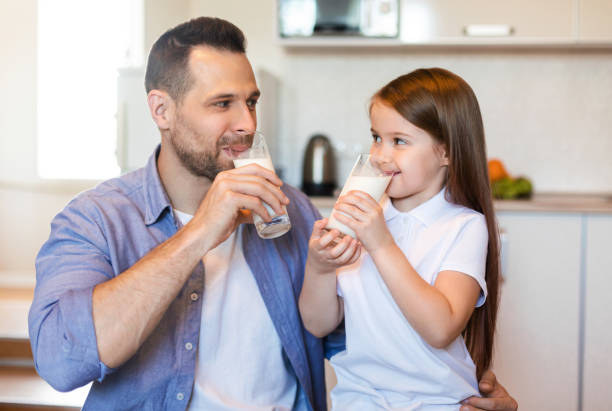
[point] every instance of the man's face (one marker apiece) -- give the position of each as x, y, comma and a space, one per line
216, 116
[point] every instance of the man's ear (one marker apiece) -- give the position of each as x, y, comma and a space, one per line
161, 107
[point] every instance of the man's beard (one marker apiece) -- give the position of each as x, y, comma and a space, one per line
200, 163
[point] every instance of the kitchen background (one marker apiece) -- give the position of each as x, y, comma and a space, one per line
546, 109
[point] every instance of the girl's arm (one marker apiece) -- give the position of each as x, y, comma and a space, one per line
320, 306
438, 313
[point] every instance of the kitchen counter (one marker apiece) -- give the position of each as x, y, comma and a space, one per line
544, 202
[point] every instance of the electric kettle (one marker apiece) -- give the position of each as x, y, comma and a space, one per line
319, 167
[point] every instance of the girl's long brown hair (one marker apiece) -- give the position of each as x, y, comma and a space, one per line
445, 106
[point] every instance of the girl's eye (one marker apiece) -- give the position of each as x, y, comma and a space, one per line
399, 141
376, 138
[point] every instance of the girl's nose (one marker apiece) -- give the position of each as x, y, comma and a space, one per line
380, 155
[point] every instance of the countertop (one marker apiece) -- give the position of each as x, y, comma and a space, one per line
544, 202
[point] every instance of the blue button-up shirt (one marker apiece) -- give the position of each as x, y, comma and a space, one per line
103, 232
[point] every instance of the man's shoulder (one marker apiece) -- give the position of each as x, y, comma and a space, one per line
110, 193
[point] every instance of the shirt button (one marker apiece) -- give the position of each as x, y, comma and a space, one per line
194, 296
180, 396
188, 346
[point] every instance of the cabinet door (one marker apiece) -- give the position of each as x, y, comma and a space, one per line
536, 355
451, 21
595, 21
598, 315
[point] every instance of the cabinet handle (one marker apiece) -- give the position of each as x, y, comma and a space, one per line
488, 30
503, 253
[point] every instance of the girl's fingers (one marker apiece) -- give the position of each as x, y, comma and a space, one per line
328, 238
350, 210
318, 229
338, 250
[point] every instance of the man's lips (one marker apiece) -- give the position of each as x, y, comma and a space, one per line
234, 150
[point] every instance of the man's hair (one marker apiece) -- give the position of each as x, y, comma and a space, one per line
168, 68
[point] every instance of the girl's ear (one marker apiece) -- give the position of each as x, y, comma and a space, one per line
443, 153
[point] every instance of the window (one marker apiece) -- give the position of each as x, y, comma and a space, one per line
81, 45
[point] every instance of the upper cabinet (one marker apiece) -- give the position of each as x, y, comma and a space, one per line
595, 22
484, 23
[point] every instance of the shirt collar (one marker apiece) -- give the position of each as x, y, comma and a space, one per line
426, 213
157, 200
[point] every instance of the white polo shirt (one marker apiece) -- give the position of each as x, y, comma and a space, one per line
386, 364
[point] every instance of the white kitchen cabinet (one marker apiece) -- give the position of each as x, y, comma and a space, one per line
536, 355
595, 21
487, 21
598, 315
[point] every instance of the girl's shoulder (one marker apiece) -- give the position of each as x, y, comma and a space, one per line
459, 215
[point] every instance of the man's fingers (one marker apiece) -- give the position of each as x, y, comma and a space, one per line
487, 382
505, 403
263, 190
254, 204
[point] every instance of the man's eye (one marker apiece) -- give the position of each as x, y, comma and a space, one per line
252, 103
222, 104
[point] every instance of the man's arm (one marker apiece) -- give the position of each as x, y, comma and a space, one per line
495, 396
127, 308
85, 317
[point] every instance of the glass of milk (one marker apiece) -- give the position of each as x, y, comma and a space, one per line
258, 154
367, 177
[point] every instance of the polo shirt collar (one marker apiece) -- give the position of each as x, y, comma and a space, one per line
156, 199
426, 213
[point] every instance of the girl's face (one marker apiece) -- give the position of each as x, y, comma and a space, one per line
415, 160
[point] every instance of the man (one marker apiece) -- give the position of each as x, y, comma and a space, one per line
151, 286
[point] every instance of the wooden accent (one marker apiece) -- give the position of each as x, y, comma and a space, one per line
22, 389
20, 407
15, 349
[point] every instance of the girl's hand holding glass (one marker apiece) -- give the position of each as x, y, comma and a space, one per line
326, 251
364, 215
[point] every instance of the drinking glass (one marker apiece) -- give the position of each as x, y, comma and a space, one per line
367, 177
259, 154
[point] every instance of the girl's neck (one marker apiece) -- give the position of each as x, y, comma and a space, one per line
406, 204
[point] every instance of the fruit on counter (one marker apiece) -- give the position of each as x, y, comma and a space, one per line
506, 187
497, 171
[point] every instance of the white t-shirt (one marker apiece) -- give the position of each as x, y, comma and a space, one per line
240, 363
387, 365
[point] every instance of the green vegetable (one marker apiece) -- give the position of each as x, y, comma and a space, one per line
508, 188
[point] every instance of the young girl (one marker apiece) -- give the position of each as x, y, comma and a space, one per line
418, 287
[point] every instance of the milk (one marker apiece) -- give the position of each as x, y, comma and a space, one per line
264, 162
374, 186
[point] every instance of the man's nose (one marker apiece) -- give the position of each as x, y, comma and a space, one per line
246, 120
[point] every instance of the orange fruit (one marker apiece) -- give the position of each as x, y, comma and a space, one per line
497, 171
